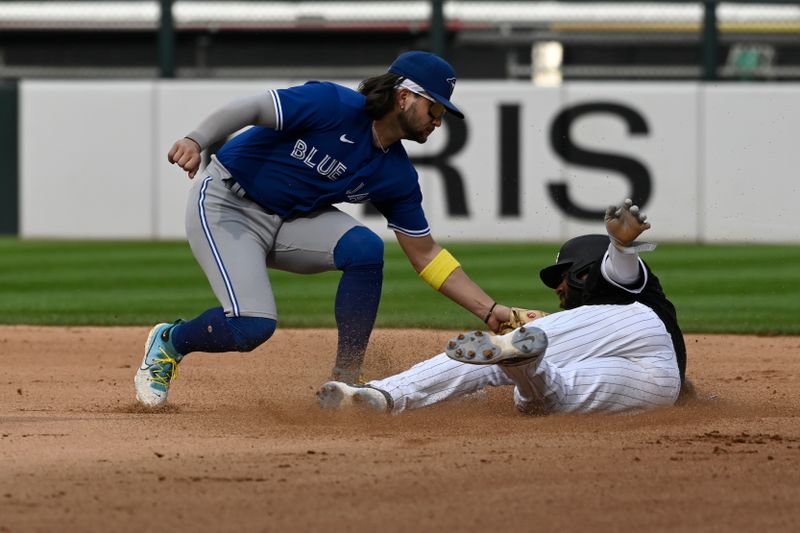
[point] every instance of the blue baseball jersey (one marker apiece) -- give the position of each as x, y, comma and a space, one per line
321, 153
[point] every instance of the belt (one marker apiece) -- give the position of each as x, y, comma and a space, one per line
217, 169
233, 186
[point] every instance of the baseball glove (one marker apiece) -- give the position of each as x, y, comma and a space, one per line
518, 318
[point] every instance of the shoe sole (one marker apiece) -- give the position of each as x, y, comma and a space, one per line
480, 348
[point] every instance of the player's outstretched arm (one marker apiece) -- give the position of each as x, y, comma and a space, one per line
624, 224
441, 271
255, 110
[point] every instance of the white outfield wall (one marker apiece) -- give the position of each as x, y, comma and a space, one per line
713, 163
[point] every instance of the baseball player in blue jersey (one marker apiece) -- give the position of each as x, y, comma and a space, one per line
265, 201
616, 346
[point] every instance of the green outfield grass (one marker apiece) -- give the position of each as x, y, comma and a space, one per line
736, 289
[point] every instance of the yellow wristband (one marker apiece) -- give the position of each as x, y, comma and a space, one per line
437, 271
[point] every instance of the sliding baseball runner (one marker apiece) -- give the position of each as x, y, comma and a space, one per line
616, 346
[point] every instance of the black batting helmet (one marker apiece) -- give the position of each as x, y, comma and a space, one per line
575, 257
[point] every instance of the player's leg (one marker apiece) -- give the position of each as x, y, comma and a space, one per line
599, 359
230, 237
434, 380
442, 377
332, 240
519, 355
610, 384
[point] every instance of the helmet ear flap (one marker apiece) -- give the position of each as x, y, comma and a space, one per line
576, 277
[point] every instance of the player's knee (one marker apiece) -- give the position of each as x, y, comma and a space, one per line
250, 332
359, 248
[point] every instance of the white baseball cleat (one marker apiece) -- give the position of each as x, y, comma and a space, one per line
335, 395
481, 348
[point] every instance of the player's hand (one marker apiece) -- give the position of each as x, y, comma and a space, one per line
518, 317
624, 223
186, 154
499, 315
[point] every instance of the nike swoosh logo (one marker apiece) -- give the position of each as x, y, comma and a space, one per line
344, 139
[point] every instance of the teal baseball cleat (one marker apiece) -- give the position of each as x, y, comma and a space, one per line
159, 368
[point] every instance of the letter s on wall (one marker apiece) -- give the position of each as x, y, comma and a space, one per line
632, 170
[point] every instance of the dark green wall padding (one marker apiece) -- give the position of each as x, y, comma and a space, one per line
9, 165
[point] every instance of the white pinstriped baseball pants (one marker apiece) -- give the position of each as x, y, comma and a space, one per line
599, 358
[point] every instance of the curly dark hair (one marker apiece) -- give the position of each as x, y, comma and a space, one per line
379, 91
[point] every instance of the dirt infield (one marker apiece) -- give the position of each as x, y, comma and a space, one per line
244, 448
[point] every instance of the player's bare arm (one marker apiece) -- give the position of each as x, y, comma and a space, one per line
424, 253
255, 110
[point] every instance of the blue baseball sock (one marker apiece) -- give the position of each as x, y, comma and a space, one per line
359, 254
357, 300
214, 332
